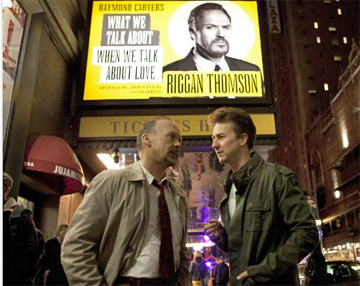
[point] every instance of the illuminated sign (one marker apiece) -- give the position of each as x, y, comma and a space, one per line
189, 125
147, 49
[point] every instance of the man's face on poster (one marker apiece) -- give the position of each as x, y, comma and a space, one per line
213, 28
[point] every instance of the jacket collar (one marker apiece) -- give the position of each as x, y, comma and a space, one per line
9, 203
188, 62
175, 187
242, 177
134, 172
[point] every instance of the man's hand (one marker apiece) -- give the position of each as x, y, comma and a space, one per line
213, 229
242, 275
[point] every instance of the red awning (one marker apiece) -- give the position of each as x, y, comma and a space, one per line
50, 160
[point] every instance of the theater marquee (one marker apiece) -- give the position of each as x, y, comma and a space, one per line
131, 41
189, 125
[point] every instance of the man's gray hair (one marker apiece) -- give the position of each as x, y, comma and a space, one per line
149, 127
196, 14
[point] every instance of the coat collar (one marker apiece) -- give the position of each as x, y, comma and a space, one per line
9, 203
242, 177
135, 173
188, 62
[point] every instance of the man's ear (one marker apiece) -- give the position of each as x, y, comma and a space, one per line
244, 139
192, 28
146, 139
192, 35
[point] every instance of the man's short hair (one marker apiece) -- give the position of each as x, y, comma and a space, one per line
197, 13
8, 180
240, 119
149, 127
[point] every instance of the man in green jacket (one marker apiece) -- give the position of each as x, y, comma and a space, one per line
116, 235
266, 225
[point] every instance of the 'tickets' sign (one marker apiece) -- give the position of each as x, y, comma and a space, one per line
170, 49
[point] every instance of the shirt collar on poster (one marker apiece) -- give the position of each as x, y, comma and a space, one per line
205, 65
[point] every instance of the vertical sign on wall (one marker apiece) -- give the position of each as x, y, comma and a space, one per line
273, 16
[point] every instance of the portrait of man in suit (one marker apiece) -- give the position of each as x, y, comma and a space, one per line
209, 27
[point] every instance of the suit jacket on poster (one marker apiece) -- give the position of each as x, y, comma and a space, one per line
188, 64
108, 228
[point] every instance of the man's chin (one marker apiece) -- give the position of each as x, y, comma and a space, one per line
171, 163
222, 160
219, 51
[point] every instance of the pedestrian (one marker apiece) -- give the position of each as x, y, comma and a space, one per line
315, 270
266, 225
131, 227
198, 270
54, 272
19, 239
220, 273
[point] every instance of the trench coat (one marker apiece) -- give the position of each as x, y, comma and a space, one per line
272, 228
107, 231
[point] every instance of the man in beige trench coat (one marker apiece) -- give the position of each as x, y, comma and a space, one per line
114, 237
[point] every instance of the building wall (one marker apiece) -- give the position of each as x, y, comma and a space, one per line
333, 143
51, 102
50, 116
300, 66
43, 102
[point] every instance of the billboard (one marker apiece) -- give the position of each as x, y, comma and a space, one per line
174, 49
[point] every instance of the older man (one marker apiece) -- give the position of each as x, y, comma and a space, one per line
131, 227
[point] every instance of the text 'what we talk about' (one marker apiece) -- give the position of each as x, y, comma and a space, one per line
129, 50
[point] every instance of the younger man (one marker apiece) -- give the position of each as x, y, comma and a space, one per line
267, 227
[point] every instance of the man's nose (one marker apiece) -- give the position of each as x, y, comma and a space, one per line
178, 142
220, 32
215, 145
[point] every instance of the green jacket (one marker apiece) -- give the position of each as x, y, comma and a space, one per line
272, 228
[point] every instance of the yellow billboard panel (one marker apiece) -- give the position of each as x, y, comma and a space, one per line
189, 125
146, 49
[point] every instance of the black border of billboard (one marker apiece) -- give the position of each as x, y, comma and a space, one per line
266, 101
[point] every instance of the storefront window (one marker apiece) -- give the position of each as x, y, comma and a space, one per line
198, 173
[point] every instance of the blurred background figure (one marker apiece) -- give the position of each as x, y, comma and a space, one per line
198, 270
20, 239
54, 272
315, 270
220, 273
